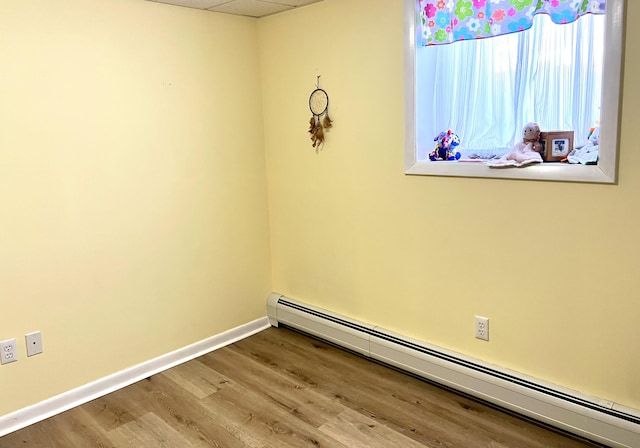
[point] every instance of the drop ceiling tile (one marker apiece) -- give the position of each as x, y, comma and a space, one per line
198, 4
253, 8
294, 2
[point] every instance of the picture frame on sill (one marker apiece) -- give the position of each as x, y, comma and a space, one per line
556, 145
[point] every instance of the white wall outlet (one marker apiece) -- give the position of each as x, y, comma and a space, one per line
482, 328
34, 343
8, 351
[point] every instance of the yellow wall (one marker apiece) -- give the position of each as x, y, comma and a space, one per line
554, 265
133, 212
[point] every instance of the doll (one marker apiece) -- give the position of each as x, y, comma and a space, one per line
525, 152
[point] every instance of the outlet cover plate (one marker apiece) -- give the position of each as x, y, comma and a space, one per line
34, 343
482, 328
8, 351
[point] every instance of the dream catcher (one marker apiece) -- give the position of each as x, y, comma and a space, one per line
319, 105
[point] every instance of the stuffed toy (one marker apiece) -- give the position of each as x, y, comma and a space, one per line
587, 154
524, 152
446, 142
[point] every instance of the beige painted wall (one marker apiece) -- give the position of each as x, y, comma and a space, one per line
133, 213
554, 265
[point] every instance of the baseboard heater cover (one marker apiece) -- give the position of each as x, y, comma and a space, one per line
589, 417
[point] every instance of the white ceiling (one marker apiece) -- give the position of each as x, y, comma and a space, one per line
251, 8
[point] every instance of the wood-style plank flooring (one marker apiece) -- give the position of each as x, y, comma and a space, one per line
283, 389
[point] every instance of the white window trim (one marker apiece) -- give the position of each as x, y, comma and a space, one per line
604, 172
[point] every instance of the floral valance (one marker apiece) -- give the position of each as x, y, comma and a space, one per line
446, 21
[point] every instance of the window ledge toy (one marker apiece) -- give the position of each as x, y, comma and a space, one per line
587, 154
445, 149
524, 152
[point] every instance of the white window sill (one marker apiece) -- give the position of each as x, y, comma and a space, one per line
542, 171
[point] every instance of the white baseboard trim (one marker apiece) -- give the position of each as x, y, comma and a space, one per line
83, 394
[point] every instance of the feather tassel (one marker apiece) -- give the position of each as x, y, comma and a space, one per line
327, 122
318, 137
317, 128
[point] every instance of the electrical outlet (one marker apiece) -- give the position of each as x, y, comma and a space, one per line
34, 343
8, 351
482, 328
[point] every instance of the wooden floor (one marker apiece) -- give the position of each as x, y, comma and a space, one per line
282, 389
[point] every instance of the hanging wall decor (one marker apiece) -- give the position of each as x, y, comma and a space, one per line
319, 105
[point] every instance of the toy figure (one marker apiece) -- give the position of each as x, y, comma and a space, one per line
587, 154
446, 142
524, 152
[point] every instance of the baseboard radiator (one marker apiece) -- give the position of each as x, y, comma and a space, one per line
592, 418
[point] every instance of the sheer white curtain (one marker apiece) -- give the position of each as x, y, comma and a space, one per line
486, 90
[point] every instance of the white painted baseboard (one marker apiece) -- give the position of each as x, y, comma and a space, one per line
83, 394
